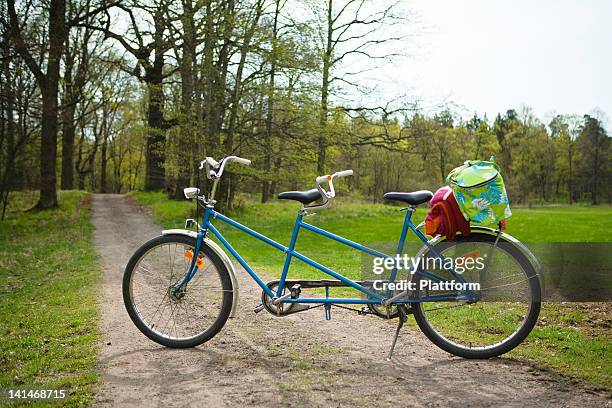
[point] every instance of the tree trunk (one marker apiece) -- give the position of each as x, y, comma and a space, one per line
67, 121
68, 132
594, 175
81, 177
103, 162
208, 78
442, 165
155, 173
327, 56
48, 84
277, 165
48, 149
49, 125
187, 93
8, 90
569, 178
225, 190
72, 90
266, 184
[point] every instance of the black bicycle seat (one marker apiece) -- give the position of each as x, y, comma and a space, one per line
412, 198
304, 197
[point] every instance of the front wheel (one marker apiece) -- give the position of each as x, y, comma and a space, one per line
501, 312
184, 319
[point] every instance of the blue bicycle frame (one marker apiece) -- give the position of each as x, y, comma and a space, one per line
372, 296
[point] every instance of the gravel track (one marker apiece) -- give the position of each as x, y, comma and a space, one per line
297, 361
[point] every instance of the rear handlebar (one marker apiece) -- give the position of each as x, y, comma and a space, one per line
329, 178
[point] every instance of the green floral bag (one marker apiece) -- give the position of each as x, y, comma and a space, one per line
479, 189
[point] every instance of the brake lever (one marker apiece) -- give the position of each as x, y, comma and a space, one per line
324, 193
210, 173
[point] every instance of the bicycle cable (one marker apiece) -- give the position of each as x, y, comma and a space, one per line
358, 311
197, 200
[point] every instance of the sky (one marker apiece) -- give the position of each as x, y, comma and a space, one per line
492, 55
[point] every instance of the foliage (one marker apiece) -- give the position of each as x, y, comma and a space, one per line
48, 316
147, 92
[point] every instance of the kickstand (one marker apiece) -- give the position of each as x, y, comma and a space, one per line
401, 309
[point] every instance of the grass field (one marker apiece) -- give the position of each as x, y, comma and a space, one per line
48, 317
373, 224
572, 338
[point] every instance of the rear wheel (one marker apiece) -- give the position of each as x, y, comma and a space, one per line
504, 314
185, 319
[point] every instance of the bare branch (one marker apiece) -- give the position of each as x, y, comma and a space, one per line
74, 21
21, 46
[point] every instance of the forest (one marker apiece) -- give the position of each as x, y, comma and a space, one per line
123, 95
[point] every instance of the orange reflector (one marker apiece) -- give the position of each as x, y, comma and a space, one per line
471, 255
199, 261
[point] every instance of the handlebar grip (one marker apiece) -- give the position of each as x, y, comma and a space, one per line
213, 163
344, 173
327, 177
321, 179
242, 161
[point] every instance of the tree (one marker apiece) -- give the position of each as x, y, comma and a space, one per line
563, 130
48, 83
594, 144
18, 96
76, 67
266, 184
443, 138
485, 143
502, 127
350, 28
148, 41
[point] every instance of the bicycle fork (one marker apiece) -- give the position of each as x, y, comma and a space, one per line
193, 268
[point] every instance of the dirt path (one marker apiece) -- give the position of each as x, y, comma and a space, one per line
298, 361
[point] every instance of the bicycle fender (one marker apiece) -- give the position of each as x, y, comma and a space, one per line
518, 244
509, 238
219, 251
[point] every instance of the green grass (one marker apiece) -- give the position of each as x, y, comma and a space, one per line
375, 224
561, 224
573, 339
48, 317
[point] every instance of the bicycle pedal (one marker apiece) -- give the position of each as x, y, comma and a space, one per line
259, 308
364, 311
296, 290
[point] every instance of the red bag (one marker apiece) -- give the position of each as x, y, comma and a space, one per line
444, 217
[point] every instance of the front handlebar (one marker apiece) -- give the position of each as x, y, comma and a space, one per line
214, 169
240, 160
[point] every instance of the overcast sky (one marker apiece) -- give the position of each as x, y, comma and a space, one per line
491, 55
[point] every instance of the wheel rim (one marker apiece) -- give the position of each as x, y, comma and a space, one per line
506, 303
185, 316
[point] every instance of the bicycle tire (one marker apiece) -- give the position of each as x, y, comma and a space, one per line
509, 343
135, 316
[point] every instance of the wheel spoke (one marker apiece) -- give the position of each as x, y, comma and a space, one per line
186, 314
488, 325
